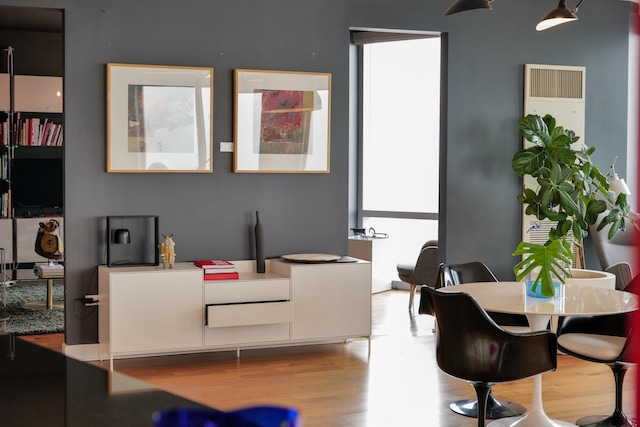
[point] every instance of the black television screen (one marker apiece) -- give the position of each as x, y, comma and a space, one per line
37, 183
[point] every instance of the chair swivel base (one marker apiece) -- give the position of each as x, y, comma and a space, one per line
495, 408
615, 420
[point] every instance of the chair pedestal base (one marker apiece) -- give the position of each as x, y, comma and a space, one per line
615, 420
495, 408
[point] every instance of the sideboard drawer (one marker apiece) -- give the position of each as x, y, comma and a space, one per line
226, 292
221, 316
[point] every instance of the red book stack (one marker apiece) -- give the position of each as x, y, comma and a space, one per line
217, 269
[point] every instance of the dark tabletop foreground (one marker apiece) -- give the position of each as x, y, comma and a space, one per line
40, 387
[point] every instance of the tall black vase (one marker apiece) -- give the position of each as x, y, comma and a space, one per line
259, 245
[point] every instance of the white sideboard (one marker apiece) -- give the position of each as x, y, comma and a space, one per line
378, 251
151, 311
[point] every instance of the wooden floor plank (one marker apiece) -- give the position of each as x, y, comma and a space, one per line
396, 383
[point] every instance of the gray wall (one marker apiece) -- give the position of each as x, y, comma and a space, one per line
211, 214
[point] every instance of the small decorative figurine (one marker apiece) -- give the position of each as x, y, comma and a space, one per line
48, 241
167, 251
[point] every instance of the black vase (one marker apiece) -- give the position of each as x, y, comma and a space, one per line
259, 245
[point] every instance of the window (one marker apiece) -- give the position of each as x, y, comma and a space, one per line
399, 138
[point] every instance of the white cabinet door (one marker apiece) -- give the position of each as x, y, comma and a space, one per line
383, 267
36, 94
158, 311
331, 300
26, 232
6, 239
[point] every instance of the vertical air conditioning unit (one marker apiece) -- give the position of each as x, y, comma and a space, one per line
559, 91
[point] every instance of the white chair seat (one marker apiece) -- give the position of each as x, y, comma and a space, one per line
516, 329
602, 347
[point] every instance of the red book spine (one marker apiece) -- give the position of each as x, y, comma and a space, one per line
45, 133
218, 270
210, 263
221, 276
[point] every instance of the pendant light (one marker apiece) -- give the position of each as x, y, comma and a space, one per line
462, 5
559, 15
616, 184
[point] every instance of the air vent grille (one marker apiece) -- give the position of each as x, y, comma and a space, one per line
556, 83
539, 234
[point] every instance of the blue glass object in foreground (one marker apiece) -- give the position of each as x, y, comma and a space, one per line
269, 416
259, 416
557, 290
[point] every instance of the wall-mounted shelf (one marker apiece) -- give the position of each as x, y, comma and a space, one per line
32, 93
38, 152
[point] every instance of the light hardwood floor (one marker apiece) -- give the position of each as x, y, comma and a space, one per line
397, 383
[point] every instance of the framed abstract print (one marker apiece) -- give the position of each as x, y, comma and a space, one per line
159, 119
281, 121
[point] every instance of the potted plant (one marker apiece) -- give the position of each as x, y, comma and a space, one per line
570, 191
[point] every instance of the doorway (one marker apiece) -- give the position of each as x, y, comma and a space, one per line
400, 94
32, 181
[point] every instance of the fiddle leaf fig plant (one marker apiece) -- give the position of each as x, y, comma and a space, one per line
568, 190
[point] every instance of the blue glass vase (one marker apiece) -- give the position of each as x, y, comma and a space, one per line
557, 290
258, 416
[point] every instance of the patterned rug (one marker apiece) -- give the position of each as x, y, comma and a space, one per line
33, 322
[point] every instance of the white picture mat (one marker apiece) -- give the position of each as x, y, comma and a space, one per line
120, 159
248, 109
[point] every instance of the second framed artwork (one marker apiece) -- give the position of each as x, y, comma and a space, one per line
159, 118
282, 121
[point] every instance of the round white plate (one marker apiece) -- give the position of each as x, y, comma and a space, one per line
311, 257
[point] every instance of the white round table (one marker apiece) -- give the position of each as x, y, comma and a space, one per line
576, 300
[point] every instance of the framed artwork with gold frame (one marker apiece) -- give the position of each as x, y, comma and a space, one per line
281, 121
159, 119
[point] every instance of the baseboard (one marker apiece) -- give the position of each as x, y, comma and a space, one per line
397, 284
84, 352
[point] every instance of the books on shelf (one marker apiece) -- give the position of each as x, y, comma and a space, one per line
46, 270
217, 269
40, 132
6, 205
4, 166
4, 133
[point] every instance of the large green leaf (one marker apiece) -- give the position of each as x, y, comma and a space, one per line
569, 189
549, 260
528, 161
535, 130
594, 208
550, 121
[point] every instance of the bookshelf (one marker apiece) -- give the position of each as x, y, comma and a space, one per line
31, 138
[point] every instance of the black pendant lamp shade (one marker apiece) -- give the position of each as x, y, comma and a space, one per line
122, 236
559, 15
462, 5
